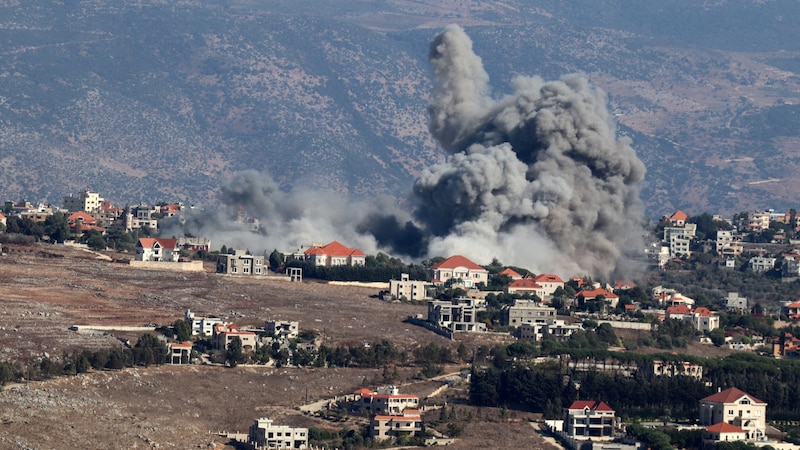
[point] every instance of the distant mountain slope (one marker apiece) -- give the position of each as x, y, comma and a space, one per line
149, 101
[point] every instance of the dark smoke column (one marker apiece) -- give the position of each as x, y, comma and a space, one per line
537, 178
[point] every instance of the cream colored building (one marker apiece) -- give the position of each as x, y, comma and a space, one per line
407, 423
86, 201
410, 289
526, 311
738, 408
460, 271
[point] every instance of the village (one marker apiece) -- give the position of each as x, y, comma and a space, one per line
462, 298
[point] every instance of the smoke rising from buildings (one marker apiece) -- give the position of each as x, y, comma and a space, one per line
536, 178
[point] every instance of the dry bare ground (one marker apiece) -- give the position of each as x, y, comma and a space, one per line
46, 289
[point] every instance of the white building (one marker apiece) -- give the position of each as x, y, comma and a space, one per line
738, 408
157, 249
460, 271
86, 201
202, 326
409, 289
264, 435
589, 420
386, 400
762, 263
556, 328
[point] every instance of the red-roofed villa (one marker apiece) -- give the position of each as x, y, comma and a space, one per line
589, 420
335, 254
461, 269
157, 249
737, 408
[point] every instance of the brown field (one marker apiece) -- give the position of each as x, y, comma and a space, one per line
46, 289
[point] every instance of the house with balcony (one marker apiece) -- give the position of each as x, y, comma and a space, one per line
180, 352
589, 420
549, 282
386, 400
157, 249
588, 295
525, 286
459, 271
526, 311
555, 328
225, 333
701, 318
407, 423
202, 326
737, 408
241, 263
456, 315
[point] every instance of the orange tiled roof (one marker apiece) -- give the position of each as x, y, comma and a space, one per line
724, 427
457, 261
510, 273
679, 215
794, 304
703, 311
595, 292
679, 309
730, 395
164, 243
334, 249
525, 283
594, 405
547, 278
82, 217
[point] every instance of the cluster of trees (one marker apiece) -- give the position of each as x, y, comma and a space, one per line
148, 350
365, 273
541, 388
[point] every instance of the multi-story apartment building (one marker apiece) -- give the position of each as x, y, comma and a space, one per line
241, 263
526, 311
87, 201
283, 329
407, 423
409, 289
456, 315
202, 326
386, 400
558, 329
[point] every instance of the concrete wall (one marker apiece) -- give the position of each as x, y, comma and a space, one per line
627, 325
189, 266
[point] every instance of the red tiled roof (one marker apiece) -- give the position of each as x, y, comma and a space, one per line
724, 427
82, 217
594, 405
628, 306
548, 278
679, 215
624, 284
457, 261
181, 345
334, 249
164, 243
525, 283
363, 392
794, 304
679, 309
730, 395
510, 273
409, 418
703, 311
595, 292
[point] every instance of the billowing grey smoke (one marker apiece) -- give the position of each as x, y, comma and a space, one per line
537, 178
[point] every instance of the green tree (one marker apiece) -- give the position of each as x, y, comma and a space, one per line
235, 353
275, 260
56, 226
95, 240
182, 329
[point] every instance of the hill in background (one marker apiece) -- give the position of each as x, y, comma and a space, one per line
150, 101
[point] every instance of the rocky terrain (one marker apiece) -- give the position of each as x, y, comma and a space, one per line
46, 289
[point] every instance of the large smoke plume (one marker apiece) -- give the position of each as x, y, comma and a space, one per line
536, 178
